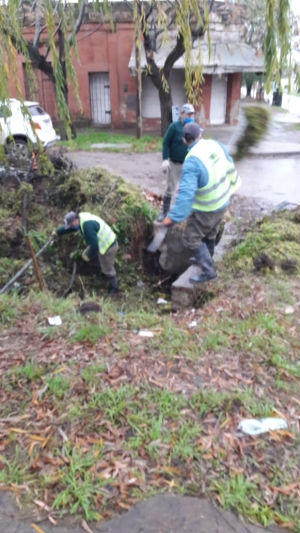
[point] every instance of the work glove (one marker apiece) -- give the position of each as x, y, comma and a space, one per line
85, 257
166, 165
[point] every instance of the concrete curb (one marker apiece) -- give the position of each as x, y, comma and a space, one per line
274, 154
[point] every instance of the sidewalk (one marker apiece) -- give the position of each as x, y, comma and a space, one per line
282, 139
160, 514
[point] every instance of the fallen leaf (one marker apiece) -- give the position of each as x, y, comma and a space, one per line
38, 529
41, 504
86, 527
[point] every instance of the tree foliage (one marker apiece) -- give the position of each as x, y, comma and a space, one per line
180, 22
263, 24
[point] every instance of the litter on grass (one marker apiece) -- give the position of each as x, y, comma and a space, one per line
161, 301
289, 310
54, 321
251, 426
145, 333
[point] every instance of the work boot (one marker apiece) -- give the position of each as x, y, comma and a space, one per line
210, 243
112, 285
205, 262
165, 208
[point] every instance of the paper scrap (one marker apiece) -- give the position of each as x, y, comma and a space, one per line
161, 301
145, 333
54, 321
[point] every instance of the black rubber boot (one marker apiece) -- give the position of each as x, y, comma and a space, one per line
113, 285
210, 243
165, 208
205, 262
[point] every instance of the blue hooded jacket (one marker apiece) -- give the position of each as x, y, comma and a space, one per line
194, 175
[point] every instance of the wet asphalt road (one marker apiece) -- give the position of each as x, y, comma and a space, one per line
272, 179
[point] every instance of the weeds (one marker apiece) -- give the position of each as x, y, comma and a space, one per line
30, 371
90, 333
80, 485
85, 139
12, 472
240, 494
58, 385
91, 373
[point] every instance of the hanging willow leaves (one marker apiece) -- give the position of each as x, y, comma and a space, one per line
179, 23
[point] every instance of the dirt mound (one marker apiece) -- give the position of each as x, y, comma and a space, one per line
97, 191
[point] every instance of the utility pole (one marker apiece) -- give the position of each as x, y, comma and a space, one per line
139, 121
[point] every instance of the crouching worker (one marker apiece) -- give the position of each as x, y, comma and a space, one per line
101, 241
208, 179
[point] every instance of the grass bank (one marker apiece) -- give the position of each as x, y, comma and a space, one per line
89, 136
95, 417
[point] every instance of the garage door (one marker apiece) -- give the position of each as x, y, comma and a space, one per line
218, 100
100, 97
150, 100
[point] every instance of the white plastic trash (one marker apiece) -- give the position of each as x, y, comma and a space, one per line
289, 310
251, 426
55, 321
161, 301
145, 333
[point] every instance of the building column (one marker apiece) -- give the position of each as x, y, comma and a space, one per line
112, 46
233, 97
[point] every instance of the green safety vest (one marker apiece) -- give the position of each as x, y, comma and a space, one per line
105, 235
223, 178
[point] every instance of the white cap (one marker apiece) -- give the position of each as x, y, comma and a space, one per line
69, 219
188, 109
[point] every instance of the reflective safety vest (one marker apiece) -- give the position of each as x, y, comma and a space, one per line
105, 235
223, 179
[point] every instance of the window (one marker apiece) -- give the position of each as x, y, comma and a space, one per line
36, 110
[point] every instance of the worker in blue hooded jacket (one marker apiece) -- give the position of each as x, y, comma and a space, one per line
207, 181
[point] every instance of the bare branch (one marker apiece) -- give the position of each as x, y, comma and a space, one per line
129, 4
174, 55
54, 34
150, 11
37, 30
78, 22
211, 6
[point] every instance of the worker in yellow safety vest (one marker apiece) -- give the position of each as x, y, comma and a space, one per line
207, 181
101, 241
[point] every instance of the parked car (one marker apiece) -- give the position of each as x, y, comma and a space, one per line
20, 132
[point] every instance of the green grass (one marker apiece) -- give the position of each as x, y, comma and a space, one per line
90, 374
89, 136
58, 385
13, 472
240, 494
117, 404
80, 486
30, 371
90, 333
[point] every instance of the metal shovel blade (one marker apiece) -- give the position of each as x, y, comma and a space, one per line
157, 240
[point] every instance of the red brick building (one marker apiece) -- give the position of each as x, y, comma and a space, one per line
107, 81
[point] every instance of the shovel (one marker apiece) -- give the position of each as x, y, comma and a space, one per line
158, 239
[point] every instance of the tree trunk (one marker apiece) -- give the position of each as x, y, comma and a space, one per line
249, 87
62, 129
165, 100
